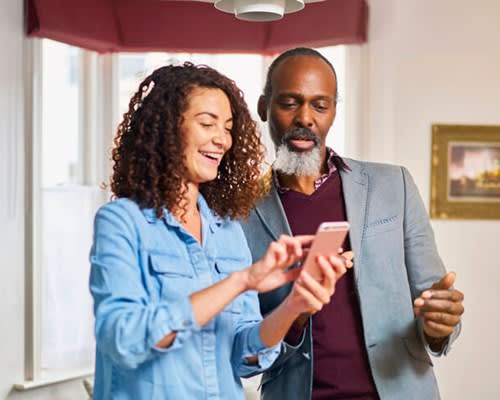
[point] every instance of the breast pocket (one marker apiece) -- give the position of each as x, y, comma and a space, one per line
382, 225
225, 268
173, 273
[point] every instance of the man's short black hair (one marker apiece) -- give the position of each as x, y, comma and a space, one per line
298, 51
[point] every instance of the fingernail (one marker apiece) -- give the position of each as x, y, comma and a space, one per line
419, 302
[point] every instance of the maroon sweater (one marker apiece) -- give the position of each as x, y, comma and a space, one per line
341, 369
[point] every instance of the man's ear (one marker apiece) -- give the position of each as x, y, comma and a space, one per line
262, 108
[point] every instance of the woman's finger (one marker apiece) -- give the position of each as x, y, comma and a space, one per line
329, 278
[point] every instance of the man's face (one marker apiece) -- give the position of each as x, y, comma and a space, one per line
303, 96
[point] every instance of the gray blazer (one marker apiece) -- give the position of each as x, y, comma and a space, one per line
395, 258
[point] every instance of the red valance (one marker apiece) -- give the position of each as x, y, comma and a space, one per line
189, 26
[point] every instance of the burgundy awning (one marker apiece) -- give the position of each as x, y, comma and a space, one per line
159, 25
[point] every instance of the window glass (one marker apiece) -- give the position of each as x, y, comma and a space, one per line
65, 213
336, 136
60, 105
244, 69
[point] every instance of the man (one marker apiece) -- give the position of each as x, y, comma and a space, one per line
397, 304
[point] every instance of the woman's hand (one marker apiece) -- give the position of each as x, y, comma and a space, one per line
308, 296
271, 271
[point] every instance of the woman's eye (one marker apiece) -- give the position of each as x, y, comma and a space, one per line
206, 125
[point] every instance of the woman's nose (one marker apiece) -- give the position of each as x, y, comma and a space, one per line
221, 137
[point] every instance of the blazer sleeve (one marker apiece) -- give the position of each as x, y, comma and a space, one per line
424, 265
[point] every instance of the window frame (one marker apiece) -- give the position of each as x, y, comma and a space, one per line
97, 81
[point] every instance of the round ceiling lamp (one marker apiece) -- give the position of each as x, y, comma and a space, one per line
259, 10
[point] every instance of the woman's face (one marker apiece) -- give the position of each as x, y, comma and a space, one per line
206, 125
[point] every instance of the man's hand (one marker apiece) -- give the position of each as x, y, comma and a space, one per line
441, 308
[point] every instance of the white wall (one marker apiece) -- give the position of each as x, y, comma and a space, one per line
430, 62
11, 194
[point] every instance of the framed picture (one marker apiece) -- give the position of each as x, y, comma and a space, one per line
465, 181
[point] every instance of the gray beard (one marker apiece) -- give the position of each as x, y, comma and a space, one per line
297, 163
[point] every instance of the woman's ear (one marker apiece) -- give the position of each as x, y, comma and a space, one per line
262, 108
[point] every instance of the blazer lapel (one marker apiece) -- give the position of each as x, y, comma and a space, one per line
272, 215
273, 218
355, 188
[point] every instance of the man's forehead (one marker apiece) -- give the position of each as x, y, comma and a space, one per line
304, 73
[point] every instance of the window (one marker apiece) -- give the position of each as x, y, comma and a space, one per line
65, 197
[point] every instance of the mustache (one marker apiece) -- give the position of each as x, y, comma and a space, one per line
300, 134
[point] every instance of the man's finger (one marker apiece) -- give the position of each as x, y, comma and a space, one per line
445, 282
437, 330
449, 320
444, 306
451, 294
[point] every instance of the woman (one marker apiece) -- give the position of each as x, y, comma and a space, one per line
176, 306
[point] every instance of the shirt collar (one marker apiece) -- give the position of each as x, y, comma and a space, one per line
333, 163
206, 212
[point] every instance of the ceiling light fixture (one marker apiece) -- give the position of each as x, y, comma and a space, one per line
259, 10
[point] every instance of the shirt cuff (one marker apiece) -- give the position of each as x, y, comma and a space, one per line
443, 350
265, 355
176, 316
446, 346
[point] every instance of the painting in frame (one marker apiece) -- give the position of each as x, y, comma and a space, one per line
465, 174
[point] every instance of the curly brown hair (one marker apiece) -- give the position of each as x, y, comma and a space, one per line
149, 165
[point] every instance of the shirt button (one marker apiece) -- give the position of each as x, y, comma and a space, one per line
186, 323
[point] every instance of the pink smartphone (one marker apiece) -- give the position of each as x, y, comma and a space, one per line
328, 240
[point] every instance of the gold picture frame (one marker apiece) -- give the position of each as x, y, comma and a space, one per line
465, 172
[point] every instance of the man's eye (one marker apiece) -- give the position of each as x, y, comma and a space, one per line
321, 107
288, 105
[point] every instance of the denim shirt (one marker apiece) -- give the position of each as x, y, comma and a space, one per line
143, 271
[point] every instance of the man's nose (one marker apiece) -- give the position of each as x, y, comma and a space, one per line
304, 117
